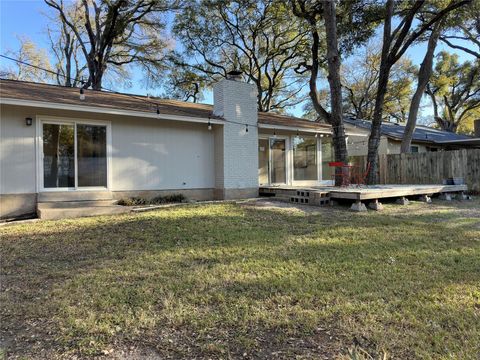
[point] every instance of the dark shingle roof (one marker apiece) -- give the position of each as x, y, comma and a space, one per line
421, 134
12, 89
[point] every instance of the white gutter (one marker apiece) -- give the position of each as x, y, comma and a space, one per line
294, 128
101, 110
307, 130
460, 141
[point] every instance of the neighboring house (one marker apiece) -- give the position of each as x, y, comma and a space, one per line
424, 138
53, 145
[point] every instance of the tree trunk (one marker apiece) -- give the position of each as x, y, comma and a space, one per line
97, 82
385, 66
375, 134
333, 59
423, 78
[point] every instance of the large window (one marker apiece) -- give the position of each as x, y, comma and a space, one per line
305, 158
278, 170
74, 155
263, 160
327, 156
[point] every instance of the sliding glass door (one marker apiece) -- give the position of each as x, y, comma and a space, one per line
74, 155
263, 161
58, 156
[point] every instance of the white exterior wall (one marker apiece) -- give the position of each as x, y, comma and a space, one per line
394, 147
156, 155
147, 154
17, 151
236, 101
387, 146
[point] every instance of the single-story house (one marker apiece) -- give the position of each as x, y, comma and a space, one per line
60, 143
424, 138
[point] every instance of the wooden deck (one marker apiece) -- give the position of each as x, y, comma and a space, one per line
356, 193
392, 191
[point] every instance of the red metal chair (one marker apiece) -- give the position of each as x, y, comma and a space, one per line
361, 177
344, 172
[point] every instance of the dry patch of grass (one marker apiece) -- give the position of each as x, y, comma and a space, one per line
227, 281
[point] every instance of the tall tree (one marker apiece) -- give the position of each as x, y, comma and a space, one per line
258, 38
28, 53
116, 33
396, 41
454, 89
360, 78
313, 12
65, 48
423, 78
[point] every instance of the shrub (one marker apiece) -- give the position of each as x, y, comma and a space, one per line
168, 199
174, 198
132, 201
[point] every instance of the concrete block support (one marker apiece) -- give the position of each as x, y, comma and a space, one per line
236, 142
375, 205
425, 198
445, 196
358, 206
403, 201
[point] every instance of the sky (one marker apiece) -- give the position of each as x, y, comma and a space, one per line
26, 18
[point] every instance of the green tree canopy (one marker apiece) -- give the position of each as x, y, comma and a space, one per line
28, 52
360, 78
116, 33
258, 38
454, 89
464, 31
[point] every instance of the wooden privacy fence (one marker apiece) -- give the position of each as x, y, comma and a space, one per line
428, 167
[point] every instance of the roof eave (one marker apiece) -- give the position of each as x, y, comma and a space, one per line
296, 127
109, 111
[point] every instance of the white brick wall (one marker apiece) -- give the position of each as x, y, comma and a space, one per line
236, 101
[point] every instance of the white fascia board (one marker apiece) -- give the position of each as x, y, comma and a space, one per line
300, 129
101, 110
293, 128
460, 141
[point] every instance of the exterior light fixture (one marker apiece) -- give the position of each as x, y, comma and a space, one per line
274, 133
246, 128
28, 121
158, 111
209, 126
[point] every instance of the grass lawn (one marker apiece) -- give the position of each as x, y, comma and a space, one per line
251, 281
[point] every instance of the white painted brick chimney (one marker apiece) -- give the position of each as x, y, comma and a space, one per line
236, 151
